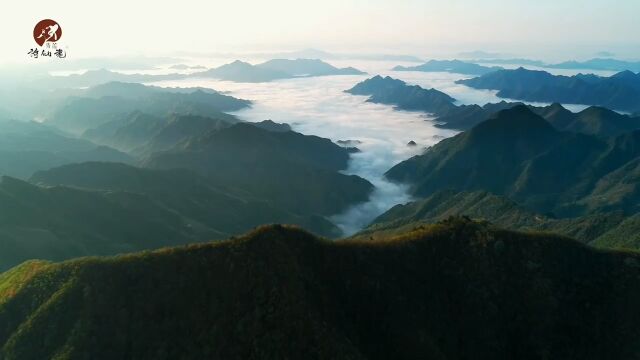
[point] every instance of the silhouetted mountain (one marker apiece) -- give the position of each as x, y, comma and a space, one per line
142, 134
136, 91
296, 172
274, 69
273, 126
452, 66
78, 114
467, 116
509, 61
599, 64
620, 91
407, 97
307, 67
456, 290
210, 209
98, 208
243, 72
101, 76
26, 147
519, 154
186, 67
593, 120
396, 92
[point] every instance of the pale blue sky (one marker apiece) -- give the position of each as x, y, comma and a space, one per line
547, 28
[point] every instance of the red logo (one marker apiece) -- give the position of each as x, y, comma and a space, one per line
47, 30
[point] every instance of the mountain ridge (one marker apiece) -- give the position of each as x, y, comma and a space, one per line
519, 295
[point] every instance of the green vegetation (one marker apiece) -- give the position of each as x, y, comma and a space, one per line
296, 172
520, 155
26, 147
142, 134
455, 290
609, 229
223, 210
59, 223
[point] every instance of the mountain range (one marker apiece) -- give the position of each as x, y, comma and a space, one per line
406, 97
275, 69
26, 147
606, 64
519, 154
110, 101
452, 66
272, 165
455, 290
58, 223
594, 120
619, 92
607, 230
239, 71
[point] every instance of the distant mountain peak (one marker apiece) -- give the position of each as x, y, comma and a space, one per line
519, 119
626, 74
239, 62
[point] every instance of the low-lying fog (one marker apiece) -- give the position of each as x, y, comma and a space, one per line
319, 106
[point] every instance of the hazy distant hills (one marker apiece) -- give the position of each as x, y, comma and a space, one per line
281, 293
213, 177
26, 147
214, 209
593, 120
599, 64
396, 92
620, 91
509, 61
275, 69
453, 66
414, 98
142, 134
520, 155
101, 208
241, 71
59, 223
108, 102
273, 165
307, 67
101, 76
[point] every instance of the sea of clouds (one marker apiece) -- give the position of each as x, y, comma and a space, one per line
319, 106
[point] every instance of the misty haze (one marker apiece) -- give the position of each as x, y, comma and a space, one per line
321, 180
